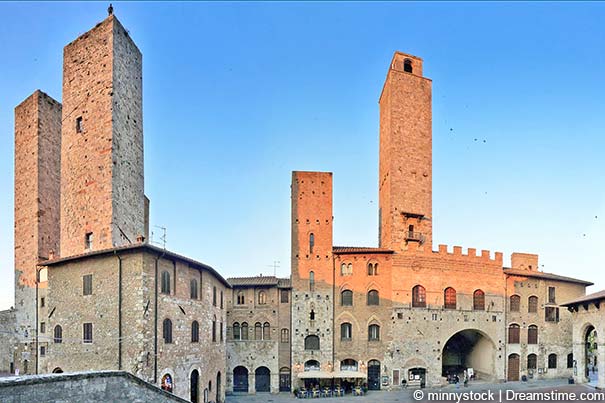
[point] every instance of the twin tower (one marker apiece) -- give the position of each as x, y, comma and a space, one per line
79, 182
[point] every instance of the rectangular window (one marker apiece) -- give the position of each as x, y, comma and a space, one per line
42, 351
88, 241
87, 332
551, 314
284, 296
222, 300
42, 302
79, 127
214, 296
42, 327
551, 295
87, 284
221, 330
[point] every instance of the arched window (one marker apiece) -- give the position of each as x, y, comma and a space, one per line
312, 342
532, 334
244, 330
372, 269
407, 66
258, 331
513, 334
348, 365
312, 365
312, 314
346, 331
479, 300
237, 335
373, 332
552, 361
311, 242
532, 304
311, 281
570, 360
167, 330
515, 303
285, 336
346, 269
58, 334
373, 298
214, 329
195, 332
418, 297
532, 361
241, 298
262, 298
193, 288
449, 298
166, 383
266, 331
165, 283
346, 298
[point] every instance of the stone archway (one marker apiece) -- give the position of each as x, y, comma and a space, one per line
469, 348
590, 353
240, 379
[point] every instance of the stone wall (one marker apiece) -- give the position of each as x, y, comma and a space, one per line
126, 328
102, 141
7, 340
104, 386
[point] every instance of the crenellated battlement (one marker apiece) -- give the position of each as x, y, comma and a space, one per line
456, 252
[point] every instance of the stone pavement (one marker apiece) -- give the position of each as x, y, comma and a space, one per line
480, 390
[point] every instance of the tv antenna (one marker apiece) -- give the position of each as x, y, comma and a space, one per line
275, 265
162, 240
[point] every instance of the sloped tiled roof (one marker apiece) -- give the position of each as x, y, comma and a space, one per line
343, 250
597, 296
545, 276
262, 281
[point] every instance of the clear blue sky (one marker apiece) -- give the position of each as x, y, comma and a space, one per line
237, 95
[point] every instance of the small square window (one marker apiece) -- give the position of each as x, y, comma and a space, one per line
42, 327
87, 332
42, 351
79, 124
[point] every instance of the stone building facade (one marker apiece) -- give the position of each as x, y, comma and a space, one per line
91, 293
258, 335
141, 309
588, 336
403, 311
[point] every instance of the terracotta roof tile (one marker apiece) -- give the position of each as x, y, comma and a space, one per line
600, 295
546, 276
341, 250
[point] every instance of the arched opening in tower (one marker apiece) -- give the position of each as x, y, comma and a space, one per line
590, 351
471, 351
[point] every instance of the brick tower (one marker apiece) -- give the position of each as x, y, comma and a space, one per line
405, 172
312, 270
102, 190
37, 202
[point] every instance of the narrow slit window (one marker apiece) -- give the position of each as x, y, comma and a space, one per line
79, 126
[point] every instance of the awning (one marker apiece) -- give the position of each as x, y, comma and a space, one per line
315, 375
349, 374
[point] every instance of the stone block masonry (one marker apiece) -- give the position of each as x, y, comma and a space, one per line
102, 189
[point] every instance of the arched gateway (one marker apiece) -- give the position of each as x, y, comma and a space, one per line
469, 348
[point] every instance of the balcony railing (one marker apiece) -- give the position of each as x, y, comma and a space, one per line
414, 236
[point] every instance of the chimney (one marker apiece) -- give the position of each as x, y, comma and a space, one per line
140, 239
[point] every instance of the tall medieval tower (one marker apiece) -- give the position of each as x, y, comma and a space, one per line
37, 198
405, 171
312, 270
102, 191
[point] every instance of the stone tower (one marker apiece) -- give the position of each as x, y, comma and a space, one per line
37, 199
312, 269
102, 190
405, 171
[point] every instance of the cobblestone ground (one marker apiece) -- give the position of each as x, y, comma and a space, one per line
481, 392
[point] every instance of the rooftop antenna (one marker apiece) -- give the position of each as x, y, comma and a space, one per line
275, 265
162, 240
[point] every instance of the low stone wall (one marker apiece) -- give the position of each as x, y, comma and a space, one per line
82, 387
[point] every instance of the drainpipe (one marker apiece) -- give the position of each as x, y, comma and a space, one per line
119, 310
37, 320
155, 321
